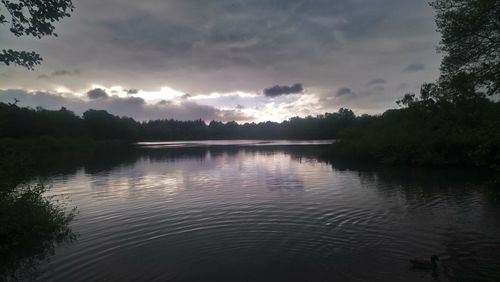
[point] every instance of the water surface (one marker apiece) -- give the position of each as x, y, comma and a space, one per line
270, 213
233, 143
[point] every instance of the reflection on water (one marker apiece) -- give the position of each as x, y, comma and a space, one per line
270, 214
233, 143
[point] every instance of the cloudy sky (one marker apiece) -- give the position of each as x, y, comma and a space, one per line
243, 60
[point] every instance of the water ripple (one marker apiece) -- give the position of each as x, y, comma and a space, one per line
266, 217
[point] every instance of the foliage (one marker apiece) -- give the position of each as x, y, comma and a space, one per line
35, 18
25, 123
102, 125
32, 225
20, 58
429, 131
471, 42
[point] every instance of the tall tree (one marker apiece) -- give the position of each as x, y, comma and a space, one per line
31, 17
471, 42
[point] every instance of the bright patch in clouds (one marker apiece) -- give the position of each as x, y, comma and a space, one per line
215, 95
165, 93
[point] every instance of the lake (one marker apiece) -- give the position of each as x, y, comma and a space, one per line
269, 211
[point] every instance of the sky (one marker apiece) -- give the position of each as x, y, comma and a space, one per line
242, 60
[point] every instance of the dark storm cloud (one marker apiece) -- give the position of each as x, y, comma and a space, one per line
279, 90
414, 68
224, 33
59, 73
377, 81
132, 91
164, 102
344, 92
130, 106
340, 98
97, 93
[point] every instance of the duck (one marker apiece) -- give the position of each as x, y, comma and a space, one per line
423, 265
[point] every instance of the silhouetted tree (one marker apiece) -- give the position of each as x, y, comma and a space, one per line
103, 125
470, 32
31, 17
24, 123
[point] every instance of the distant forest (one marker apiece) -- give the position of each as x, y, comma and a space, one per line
26, 123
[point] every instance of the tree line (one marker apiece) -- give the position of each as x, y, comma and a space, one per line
27, 123
428, 130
